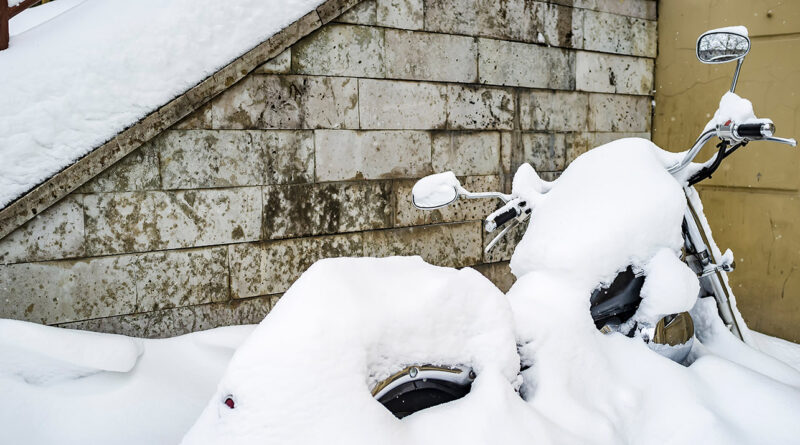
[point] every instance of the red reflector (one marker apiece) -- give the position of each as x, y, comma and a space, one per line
229, 402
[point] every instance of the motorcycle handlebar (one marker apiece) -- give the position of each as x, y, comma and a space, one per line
505, 217
756, 130
760, 131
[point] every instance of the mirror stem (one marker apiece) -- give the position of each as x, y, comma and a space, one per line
736, 74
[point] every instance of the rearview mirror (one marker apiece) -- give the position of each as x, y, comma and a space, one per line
721, 46
436, 191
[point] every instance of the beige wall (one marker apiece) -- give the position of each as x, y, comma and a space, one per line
753, 201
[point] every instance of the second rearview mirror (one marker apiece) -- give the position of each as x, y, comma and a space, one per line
436, 191
721, 46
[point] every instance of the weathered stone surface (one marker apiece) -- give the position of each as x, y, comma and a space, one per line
455, 245
507, 143
428, 56
55, 233
616, 34
183, 320
560, 27
613, 112
317, 209
144, 221
583, 142
474, 153
209, 158
63, 291
364, 13
280, 64
345, 155
504, 248
550, 176
463, 210
520, 20
341, 50
553, 110
285, 102
608, 73
270, 268
478, 108
137, 171
200, 119
392, 105
181, 278
224, 158
288, 155
498, 273
545, 151
404, 14
645, 9
526, 65
330, 9
512, 19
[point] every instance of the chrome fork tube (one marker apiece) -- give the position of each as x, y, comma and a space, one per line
712, 276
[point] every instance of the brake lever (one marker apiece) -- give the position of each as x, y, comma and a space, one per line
791, 142
502, 233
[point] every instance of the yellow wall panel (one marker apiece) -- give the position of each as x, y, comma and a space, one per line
756, 193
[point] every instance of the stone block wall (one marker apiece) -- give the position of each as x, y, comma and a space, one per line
314, 154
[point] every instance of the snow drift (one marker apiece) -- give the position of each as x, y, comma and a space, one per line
74, 387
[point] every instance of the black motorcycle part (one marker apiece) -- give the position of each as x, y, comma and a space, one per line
619, 301
417, 395
724, 152
750, 130
505, 217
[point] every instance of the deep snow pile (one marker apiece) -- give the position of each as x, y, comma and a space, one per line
74, 387
305, 374
72, 83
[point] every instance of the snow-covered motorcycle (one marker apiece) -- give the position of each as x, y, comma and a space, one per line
637, 298
617, 260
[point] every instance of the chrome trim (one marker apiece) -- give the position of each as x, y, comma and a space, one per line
714, 31
461, 375
692, 153
738, 69
414, 203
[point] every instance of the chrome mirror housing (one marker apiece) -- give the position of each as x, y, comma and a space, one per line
436, 191
722, 46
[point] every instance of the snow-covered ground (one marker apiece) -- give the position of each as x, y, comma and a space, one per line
75, 387
78, 72
304, 376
